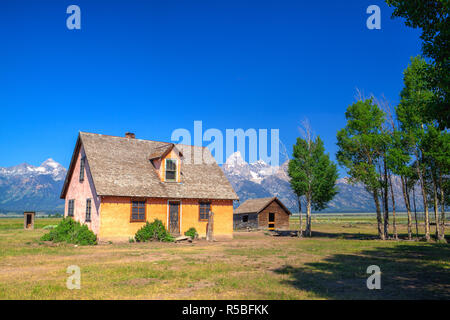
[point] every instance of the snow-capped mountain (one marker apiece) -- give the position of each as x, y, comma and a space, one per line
255, 172
27, 187
48, 167
259, 179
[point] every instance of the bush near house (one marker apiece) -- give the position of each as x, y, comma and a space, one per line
71, 231
191, 233
153, 231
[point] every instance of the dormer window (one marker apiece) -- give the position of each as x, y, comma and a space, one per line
171, 169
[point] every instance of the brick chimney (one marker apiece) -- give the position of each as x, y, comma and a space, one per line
130, 135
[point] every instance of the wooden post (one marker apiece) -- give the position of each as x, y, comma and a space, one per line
210, 227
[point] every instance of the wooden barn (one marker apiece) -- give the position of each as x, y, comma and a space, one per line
262, 213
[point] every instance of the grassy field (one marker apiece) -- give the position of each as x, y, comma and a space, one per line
254, 265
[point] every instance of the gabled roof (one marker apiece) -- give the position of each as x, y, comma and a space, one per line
161, 151
258, 205
121, 167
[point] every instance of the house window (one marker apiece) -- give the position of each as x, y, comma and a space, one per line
88, 210
171, 169
245, 218
82, 169
137, 211
205, 208
70, 208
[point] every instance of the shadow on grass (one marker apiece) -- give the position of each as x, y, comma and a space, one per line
368, 236
345, 235
413, 271
335, 235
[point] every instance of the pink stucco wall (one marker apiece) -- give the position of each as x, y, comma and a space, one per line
80, 191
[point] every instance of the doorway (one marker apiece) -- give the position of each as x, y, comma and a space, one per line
174, 217
28, 221
271, 221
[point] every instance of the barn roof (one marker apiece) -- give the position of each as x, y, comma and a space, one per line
121, 166
258, 205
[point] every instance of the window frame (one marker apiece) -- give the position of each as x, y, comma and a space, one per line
69, 206
200, 210
131, 210
176, 170
88, 210
82, 167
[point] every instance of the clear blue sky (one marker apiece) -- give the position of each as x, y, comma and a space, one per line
153, 66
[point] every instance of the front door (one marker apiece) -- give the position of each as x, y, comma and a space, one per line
28, 221
271, 221
174, 217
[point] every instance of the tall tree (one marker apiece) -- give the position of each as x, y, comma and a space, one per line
432, 17
313, 175
399, 162
411, 114
360, 145
436, 147
385, 140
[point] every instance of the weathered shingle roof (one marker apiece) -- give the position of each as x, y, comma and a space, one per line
122, 167
258, 205
161, 151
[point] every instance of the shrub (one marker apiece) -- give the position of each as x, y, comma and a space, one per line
71, 231
191, 233
153, 231
50, 226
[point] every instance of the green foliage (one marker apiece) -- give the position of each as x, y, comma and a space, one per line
71, 231
153, 231
436, 152
420, 135
416, 97
50, 226
431, 16
361, 143
131, 240
191, 233
398, 155
313, 173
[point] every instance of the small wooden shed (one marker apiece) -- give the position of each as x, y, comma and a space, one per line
28, 220
262, 213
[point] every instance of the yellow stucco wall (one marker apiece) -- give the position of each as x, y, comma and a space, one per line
115, 217
223, 217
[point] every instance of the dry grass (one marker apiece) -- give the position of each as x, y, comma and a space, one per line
331, 265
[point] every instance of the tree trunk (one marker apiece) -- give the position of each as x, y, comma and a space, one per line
300, 230
385, 201
435, 205
379, 219
308, 215
442, 234
408, 207
415, 211
425, 201
394, 223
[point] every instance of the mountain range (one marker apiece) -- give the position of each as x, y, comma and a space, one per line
26, 187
